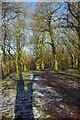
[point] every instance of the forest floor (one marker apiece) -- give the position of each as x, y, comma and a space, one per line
45, 95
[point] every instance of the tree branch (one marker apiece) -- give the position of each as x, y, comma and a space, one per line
68, 22
69, 6
51, 12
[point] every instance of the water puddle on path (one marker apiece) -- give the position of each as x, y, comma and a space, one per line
44, 97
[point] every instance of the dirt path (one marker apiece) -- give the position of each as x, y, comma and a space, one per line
59, 94
44, 95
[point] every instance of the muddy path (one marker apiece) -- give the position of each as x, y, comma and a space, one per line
61, 95
45, 95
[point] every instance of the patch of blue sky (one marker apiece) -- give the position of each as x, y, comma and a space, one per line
21, 0
60, 11
41, 0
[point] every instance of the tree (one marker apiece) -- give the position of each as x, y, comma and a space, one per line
13, 27
44, 18
71, 20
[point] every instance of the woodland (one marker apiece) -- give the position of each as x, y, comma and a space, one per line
40, 60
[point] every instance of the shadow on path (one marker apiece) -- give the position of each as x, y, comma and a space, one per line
23, 103
61, 95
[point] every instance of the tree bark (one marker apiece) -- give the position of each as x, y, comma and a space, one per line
78, 31
18, 56
42, 57
55, 63
4, 30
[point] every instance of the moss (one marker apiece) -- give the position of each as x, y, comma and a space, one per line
42, 66
56, 66
37, 67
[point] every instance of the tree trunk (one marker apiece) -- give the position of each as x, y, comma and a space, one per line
72, 61
79, 54
42, 57
4, 31
24, 67
37, 65
18, 57
78, 35
55, 63
16, 62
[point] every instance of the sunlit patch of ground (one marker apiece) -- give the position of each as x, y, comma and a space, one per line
59, 94
55, 96
8, 98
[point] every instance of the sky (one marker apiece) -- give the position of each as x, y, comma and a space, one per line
31, 7
39, 0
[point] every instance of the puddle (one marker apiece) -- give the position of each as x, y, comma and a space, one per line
45, 98
36, 78
32, 77
56, 99
37, 87
47, 92
48, 100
